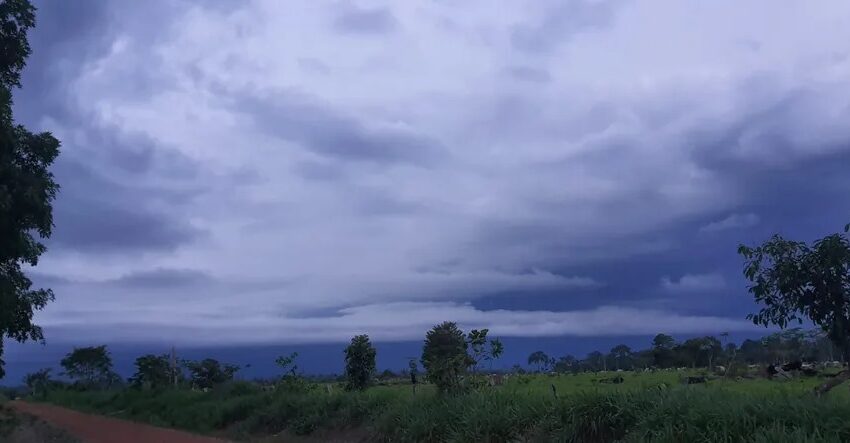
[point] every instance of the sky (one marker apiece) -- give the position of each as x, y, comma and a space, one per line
267, 173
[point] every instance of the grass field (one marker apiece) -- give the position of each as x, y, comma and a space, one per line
646, 407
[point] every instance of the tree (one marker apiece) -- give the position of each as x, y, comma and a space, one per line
287, 364
359, 363
444, 356
621, 354
152, 372
566, 363
752, 351
662, 350
38, 382
477, 343
496, 350
793, 281
710, 347
595, 361
27, 188
209, 373
89, 367
539, 359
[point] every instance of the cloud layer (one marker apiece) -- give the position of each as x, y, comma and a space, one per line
305, 171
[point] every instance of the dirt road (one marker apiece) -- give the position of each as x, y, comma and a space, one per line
96, 429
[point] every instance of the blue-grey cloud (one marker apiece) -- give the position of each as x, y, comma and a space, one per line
734, 221
562, 21
364, 20
694, 283
164, 278
477, 176
528, 74
318, 127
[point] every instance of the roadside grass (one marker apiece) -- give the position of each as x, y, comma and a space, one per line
645, 407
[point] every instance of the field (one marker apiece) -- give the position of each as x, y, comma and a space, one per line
645, 407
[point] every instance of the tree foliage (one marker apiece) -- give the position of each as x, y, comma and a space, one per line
478, 346
359, 363
541, 360
208, 373
38, 382
444, 356
794, 281
89, 367
27, 188
621, 355
153, 372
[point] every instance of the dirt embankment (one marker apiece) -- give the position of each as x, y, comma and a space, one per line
16, 427
87, 428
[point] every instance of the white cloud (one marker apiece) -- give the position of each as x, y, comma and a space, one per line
734, 221
383, 322
694, 283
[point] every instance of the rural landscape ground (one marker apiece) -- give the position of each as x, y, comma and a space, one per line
437, 189
585, 407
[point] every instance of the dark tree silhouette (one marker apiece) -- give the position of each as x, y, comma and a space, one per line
27, 188
793, 281
359, 363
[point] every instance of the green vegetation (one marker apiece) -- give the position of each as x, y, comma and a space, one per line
359, 363
89, 367
646, 406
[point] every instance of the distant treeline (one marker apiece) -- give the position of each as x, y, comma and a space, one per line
707, 352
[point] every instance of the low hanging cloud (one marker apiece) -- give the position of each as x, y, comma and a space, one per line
734, 221
383, 322
694, 283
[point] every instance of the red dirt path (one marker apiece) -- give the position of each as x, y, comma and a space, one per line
97, 429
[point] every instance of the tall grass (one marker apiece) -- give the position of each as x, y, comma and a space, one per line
637, 411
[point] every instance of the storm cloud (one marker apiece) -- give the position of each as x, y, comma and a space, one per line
303, 171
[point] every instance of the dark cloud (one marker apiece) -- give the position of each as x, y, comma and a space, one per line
561, 22
67, 34
365, 21
94, 214
325, 131
164, 278
110, 180
100, 228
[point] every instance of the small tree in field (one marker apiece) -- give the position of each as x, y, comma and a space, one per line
152, 371
793, 281
622, 354
359, 363
539, 359
90, 367
477, 343
38, 382
444, 356
208, 372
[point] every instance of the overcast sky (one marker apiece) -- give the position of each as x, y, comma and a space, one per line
302, 171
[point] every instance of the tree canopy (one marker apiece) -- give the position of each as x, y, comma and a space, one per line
359, 363
209, 372
444, 356
794, 281
27, 188
90, 367
153, 371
